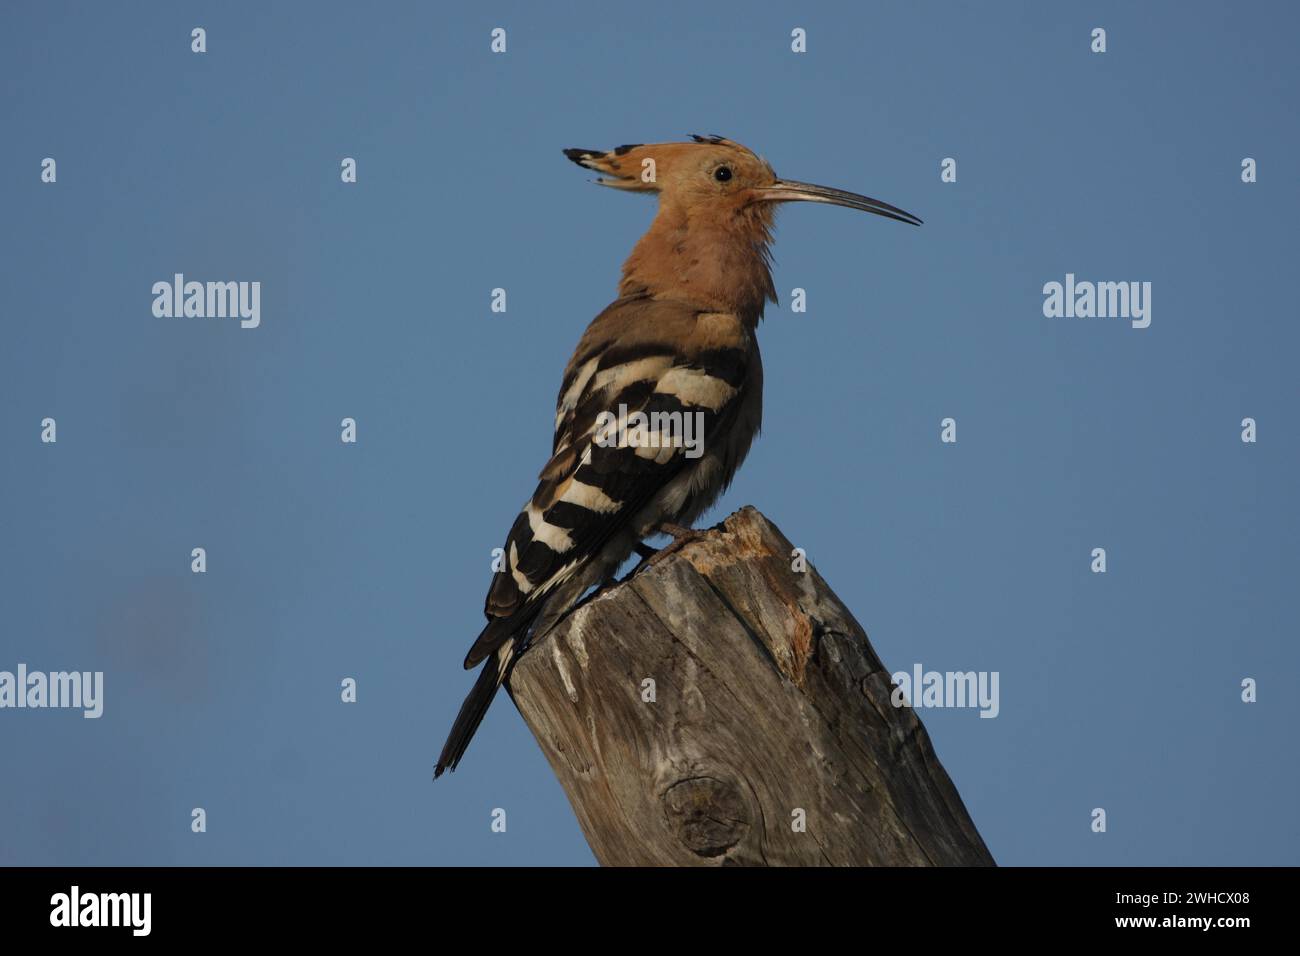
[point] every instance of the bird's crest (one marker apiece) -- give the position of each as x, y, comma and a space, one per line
641, 167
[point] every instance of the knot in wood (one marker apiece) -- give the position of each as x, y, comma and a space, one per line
708, 815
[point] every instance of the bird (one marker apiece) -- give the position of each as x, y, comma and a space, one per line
679, 338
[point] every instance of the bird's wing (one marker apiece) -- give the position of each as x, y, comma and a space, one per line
647, 355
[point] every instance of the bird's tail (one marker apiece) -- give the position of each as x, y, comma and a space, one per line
494, 672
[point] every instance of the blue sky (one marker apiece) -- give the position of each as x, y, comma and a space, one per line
1118, 690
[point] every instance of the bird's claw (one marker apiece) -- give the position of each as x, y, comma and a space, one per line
681, 537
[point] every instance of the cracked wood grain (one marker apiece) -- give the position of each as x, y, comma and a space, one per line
769, 702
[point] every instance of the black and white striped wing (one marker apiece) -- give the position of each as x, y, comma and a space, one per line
594, 484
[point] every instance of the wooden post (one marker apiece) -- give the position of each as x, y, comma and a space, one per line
719, 707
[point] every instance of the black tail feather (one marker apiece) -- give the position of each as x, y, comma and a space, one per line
492, 675
499, 630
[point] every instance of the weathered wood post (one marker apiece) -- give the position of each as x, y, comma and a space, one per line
698, 712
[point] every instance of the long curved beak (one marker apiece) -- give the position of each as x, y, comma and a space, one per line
787, 190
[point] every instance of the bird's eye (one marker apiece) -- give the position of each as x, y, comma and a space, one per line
722, 174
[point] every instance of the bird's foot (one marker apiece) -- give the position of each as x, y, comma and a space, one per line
681, 537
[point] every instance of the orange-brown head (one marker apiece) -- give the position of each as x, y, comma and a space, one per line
709, 242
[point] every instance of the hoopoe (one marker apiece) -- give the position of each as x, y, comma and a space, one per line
680, 338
